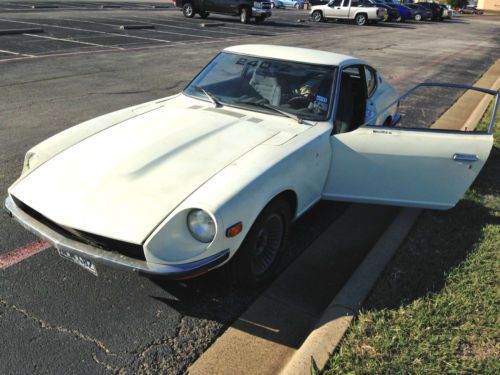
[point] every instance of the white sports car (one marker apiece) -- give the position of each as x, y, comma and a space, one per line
183, 184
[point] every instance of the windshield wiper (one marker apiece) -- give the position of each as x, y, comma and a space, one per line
215, 101
275, 109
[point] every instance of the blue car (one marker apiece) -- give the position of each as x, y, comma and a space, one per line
405, 12
297, 4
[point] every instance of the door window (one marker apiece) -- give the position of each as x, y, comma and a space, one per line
371, 80
336, 3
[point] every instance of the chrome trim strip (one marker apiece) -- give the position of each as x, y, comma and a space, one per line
110, 258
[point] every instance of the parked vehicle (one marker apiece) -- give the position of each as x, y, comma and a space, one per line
405, 12
392, 11
181, 185
362, 12
297, 4
446, 13
245, 9
470, 10
420, 13
251, 143
437, 12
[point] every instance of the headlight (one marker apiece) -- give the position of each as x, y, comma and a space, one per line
201, 225
30, 161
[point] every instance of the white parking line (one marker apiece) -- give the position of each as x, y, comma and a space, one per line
15, 53
193, 27
72, 41
90, 31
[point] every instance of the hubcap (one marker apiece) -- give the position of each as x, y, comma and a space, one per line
316, 16
267, 245
189, 10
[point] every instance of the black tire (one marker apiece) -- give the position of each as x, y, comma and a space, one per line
317, 16
361, 19
244, 15
418, 17
260, 19
257, 260
203, 14
188, 10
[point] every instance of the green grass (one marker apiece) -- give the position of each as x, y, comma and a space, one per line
436, 309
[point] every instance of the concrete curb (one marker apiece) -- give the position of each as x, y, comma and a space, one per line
339, 314
468, 110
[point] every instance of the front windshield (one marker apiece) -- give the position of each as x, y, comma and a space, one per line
303, 90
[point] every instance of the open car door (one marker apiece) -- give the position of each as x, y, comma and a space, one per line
425, 168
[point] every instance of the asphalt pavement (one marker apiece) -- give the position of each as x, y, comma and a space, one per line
58, 318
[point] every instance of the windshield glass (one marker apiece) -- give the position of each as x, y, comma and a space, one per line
256, 83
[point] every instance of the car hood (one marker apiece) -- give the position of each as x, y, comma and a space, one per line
123, 181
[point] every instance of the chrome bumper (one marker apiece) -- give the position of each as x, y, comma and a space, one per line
110, 258
261, 12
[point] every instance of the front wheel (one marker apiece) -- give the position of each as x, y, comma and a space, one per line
260, 19
188, 10
418, 17
257, 259
244, 16
317, 16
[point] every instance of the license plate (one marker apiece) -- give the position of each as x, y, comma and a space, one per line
81, 261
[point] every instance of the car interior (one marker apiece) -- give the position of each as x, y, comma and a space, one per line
352, 100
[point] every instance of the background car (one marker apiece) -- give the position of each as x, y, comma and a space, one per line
297, 4
437, 12
405, 12
392, 11
470, 10
420, 13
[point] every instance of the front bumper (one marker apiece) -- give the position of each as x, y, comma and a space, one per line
261, 12
111, 258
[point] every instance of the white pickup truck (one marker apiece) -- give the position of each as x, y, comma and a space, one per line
362, 12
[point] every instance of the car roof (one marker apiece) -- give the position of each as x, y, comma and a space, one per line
304, 55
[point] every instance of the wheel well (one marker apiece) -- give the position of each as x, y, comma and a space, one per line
291, 198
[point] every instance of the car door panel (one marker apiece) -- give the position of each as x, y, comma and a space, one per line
404, 167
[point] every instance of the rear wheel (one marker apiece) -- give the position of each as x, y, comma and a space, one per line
317, 16
418, 17
244, 15
361, 19
188, 10
257, 259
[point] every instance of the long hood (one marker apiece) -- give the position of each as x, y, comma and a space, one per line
123, 181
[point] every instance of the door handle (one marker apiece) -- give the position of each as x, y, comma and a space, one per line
465, 157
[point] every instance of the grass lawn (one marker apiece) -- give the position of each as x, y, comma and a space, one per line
436, 309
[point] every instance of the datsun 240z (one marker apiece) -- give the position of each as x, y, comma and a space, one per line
217, 173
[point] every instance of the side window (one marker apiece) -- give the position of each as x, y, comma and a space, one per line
345, 3
354, 3
371, 80
351, 105
336, 3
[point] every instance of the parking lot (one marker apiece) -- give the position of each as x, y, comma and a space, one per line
56, 317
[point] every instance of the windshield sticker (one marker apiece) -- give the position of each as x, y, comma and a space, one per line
321, 99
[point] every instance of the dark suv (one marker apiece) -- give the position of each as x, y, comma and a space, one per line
245, 9
437, 12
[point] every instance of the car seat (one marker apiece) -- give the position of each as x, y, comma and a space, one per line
265, 82
345, 108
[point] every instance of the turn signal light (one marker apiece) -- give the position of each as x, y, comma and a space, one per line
234, 230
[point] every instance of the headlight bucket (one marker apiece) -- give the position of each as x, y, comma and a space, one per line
201, 225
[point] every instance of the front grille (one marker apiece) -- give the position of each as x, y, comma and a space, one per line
104, 243
266, 5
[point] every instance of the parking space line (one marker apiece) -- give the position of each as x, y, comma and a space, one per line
15, 53
90, 31
72, 41
17, 255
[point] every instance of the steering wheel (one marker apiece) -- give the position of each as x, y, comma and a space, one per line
298, 102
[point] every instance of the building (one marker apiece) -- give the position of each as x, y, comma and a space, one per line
489, 4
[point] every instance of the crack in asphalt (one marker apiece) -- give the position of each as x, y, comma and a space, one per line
50, 327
